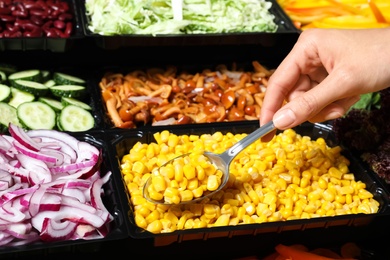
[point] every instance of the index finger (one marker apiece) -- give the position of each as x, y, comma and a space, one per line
302, 59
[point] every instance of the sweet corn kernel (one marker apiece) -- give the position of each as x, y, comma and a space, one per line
212, 183
171, 191
222, 220
186, 195
290, 177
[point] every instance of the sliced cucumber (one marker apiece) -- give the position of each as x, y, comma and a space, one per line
19, 97
32, 75
66, 79
3, 77
72, 101
36, 115
5, 93
54, 103
35, 88
49, 83
8, 115
8, 68
45, 75
73, 91
75, 119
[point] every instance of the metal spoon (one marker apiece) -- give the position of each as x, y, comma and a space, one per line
222, 161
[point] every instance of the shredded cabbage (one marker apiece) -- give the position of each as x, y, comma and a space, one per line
118, 17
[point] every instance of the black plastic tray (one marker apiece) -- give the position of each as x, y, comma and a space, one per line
193, 68
285, 28
89, 99
47, 43
123, 141
112, 200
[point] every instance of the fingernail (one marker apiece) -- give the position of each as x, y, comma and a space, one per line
284, 118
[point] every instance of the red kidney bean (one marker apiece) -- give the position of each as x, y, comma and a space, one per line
5, 10
16, 34
47, 24
31, 4
64, 6
42, 4
56, 7
39, 12
40, 17
59, 24
12, 28
65, 17
30, 26
54, 14
68, 29
20, 7
6, 33
37, 32
36, 20
7, 18
19, 13
51, 33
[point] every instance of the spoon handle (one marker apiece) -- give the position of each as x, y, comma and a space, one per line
249, 139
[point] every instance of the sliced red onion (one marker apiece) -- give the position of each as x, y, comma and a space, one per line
38, 170
57, 230
34, 154
5, 238
69, 213
20, 135
11, 214
5, 145
73, 166
50, 188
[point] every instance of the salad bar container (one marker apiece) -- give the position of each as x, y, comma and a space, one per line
116, 227
123, 141
262, 37
45, 40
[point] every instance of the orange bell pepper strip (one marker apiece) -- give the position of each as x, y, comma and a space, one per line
377, 13
320, 10
294, 253
349, 22
346, 7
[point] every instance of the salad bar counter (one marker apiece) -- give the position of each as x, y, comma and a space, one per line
88, 116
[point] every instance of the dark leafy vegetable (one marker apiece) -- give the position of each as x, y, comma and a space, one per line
366, 131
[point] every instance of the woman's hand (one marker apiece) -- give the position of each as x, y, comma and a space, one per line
324, 75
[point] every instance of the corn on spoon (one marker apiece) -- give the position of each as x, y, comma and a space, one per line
221, 161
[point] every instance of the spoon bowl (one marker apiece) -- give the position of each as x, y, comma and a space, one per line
220, 161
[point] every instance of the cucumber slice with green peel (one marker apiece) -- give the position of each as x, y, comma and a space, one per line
19, 97
73, 91
45, 75
75, 119
35, 88
66, 79
8, 68
3, 77
5, 93
54, 103
72, 101
49, 83
8, 115
36, 115
31, 75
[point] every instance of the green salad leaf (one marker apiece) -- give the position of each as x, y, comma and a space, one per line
368, 101
119, 17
